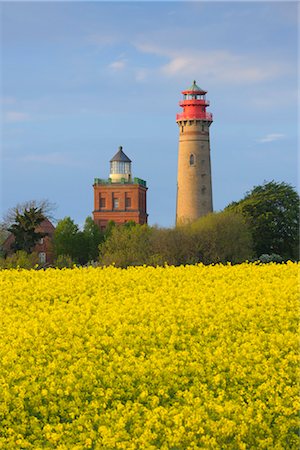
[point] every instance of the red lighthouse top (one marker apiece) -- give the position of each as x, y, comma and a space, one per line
194, 105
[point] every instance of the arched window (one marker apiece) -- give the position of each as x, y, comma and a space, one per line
192, 159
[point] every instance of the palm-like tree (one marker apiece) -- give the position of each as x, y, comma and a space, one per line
25, 227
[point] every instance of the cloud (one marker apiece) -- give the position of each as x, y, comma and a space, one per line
15, 116
271, 137
118, 65
221, 64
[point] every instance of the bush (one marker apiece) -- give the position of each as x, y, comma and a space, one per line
221, 237
127, 246
172, 246
218, 237
20, 259
64, 261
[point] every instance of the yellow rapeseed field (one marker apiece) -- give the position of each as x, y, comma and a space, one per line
150, 358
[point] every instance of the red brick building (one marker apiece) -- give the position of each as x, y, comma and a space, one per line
44, 246
120, 198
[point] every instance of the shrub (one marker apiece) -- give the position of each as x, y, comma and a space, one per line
64, 261
20, 259
221, 237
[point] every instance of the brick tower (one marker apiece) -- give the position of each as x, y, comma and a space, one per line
120, 198
194, 192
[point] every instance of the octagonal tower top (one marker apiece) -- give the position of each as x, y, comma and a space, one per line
194, 105
194, 89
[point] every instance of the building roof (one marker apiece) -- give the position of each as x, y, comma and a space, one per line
120, 156
195, 88
46, 227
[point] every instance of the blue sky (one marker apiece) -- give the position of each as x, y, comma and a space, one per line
80, 79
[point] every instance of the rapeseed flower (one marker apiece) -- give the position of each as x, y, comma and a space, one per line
144, 358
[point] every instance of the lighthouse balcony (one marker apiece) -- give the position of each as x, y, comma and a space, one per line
109, 181
193, 102
192, 116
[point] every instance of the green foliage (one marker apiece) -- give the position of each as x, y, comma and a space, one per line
24, 229
67, 240
20, 259
127, 246
71, 244
221, 237
92, 237
64, 261
109, 228
173, 246
272, 212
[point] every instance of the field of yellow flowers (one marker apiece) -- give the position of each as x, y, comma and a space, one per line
150, 358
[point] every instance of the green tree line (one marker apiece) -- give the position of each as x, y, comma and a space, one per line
263, 225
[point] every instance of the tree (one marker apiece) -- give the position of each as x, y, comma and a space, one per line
23, 220
127, 246
272, 212
221, 237
92, 237
172, 246
45, 206
66, 240
25, 227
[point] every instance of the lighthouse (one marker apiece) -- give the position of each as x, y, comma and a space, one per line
194, 187
121, 197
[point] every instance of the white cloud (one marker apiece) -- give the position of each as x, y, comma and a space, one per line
271, 137
15, 116
222, 65
118, 65
216, 64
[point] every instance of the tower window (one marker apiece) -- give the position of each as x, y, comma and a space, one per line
182, 129
192, 159
116, 203
128, 202
102, 202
